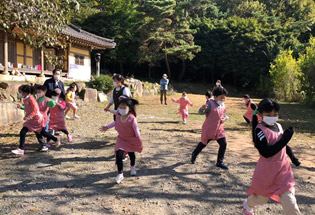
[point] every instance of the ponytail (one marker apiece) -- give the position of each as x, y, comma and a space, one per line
254, 124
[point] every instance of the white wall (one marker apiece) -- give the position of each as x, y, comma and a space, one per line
80, 72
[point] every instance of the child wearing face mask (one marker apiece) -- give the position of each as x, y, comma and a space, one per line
57, 119
129, 139
213, 126
183, 106
119, 90
273, 177
34, 120
250, 108
70, 100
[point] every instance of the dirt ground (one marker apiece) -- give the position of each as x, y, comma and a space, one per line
78, 178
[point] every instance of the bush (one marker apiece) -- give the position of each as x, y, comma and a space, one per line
102, 83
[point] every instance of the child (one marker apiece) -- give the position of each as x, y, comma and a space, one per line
128, 140
203, 109
57, 116
70, 99
183, 109
250, 108
213, 126
44, 103
273, 177
34, 121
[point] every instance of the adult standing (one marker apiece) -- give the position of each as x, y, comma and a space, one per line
54, 83
163, 89
119, 90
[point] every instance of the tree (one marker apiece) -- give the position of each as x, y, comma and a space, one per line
37, 22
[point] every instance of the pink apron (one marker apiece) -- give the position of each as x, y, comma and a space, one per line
127, 140
183, 108
212, 128
249, 111
43, 109
36, 123
57, 116
272, 176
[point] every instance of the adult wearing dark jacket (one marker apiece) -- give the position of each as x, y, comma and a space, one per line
54, 83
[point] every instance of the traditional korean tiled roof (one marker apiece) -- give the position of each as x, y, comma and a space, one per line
77, 35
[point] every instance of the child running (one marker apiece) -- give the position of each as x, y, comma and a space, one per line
57, 116
250, 108
34, 121
129, 139
183, 108
70, 99
213, 126
273, 177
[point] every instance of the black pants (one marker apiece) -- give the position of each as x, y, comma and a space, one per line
119, 160
39, 136
50, 137
163, 94
221, 152
247, 120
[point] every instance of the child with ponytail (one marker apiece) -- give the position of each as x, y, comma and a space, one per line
273, 177
183, 106
129, 139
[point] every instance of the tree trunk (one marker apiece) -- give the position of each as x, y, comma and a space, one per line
167, 63
150, 68
121, 68
183, 72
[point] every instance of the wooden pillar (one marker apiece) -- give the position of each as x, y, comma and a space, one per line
6, 55
42, 63
68, 59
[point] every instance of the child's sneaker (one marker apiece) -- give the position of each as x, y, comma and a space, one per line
43, 149
184, 121
245, 211
67, 117
58, 142
119, 178
69, 138
193, 158
18, 151
76, 117
48, 144
133, 170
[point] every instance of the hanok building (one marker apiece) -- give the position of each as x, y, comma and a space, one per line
16, 56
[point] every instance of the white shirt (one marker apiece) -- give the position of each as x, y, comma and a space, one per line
126, 92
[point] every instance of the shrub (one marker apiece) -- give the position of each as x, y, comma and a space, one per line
102, 83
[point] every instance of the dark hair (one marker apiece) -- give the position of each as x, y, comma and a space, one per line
184, 93
72, 86
265, 105
26, 89
218, 81
57, 70
218, 91
208, 94
42, 88
119, 78
246, 96
131, 103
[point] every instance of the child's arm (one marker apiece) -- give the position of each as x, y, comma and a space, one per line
20, 106
135, 127
189, 103
62, 105
175, 100
51, 103
270, 150
105, 128
205, 109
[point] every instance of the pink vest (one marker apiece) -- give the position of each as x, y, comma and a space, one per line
272, 176
43, 110
127, 140
249, 111
36, 123
212, 128
183, 108
57, 116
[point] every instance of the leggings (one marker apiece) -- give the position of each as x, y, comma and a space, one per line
119, 160
39, 136
247, 120
64, 131
221, 152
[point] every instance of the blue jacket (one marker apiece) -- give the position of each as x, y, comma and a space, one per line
164, 84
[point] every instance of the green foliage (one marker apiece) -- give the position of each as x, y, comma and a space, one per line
307, 67
102, 83
285, 77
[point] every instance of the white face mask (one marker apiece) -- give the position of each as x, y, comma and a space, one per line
20, 95
220, 102
39, 95
115, 84
122, 111
55, 98
270, 120
218, 84
56, 77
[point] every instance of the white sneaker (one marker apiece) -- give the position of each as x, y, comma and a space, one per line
67, 117
184, 121
119, 178
76, 117
133, 170
18, 151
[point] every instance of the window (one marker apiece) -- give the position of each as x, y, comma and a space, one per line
79, 60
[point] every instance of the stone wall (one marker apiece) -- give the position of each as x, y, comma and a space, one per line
10, 113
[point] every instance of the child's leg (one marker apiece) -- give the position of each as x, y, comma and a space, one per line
65, 132
197, 150
247, 120
289, 205
23, 132
222, 148
255, 200
132, 157
48, 135
66, 111
119, 161
294, 160
40, 139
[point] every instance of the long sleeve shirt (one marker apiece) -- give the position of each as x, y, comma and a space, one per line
126, 92
134, 126
164, 84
